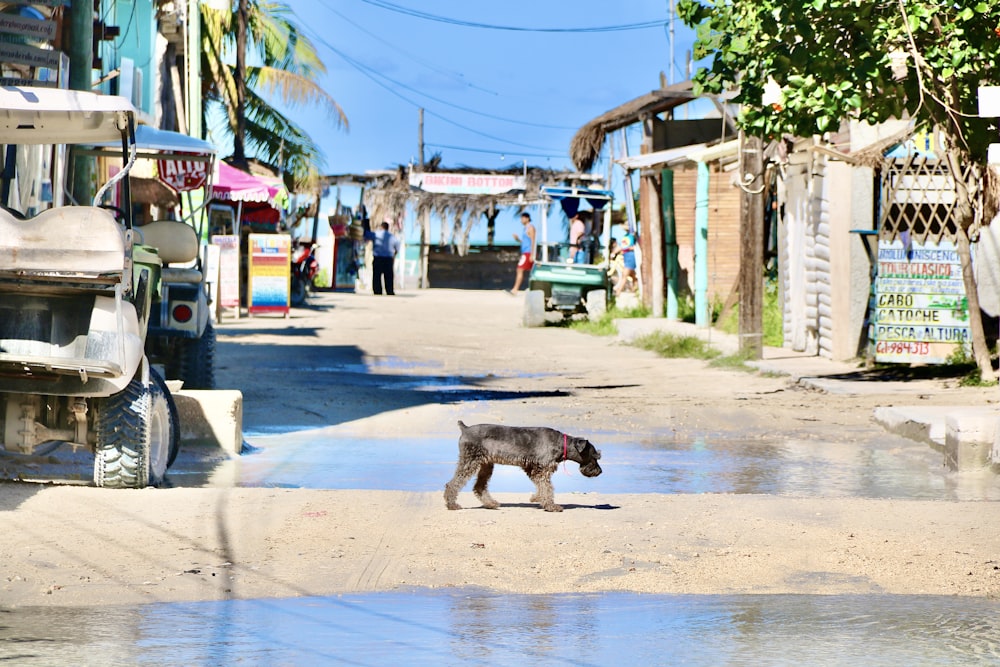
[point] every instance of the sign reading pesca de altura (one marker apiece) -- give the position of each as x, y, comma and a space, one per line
183, 175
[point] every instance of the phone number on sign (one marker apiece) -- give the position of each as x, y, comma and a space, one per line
901, 347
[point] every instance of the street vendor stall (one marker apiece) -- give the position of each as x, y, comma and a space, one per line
253, 201
245, 216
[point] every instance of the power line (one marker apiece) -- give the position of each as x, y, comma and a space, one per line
453, 75
372, 74
445, 102
501, 153
472, 24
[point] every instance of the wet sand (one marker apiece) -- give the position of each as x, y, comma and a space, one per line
369, 366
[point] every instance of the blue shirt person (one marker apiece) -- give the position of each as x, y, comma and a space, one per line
385, 245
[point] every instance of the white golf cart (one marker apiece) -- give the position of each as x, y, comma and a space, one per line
180, 334
75, 296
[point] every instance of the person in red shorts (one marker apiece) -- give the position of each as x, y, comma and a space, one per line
527, 258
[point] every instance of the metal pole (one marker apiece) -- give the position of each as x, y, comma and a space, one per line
701, 317
629, 195
192, 66
669, 241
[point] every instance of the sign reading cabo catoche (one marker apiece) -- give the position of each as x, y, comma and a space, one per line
466, 184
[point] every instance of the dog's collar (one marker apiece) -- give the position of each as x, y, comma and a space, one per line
565, 446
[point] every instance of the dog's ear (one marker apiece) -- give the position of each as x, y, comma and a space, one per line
582, 445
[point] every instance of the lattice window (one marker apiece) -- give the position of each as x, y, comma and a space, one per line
917, 195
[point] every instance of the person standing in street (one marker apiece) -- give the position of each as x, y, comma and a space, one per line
527, 257
577, 228
385, 245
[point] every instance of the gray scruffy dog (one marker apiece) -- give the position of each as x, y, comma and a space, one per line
538, 451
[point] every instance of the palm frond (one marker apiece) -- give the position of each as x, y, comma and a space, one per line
295, 90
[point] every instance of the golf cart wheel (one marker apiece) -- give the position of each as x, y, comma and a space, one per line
174, 438
196, 360
597, 304
135, 433
534, 308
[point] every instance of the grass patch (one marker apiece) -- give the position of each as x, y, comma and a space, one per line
605, 324
962, 361
771, 317
671, 346
734, 362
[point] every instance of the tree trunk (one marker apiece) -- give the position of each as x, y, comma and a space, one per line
964, 216
751, 290
239, 136
425, 246
979, 349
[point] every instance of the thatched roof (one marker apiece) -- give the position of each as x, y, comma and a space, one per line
589, 139
387, 197
152, 191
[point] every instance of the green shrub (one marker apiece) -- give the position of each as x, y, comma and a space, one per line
671, 346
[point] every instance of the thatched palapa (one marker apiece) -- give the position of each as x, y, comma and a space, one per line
589, 140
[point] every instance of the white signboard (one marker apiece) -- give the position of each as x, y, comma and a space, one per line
466, 184
921, 313
228, 283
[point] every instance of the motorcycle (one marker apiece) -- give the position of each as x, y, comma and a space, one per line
305, 267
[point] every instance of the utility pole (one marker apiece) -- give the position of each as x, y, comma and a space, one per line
751, 247
420, 140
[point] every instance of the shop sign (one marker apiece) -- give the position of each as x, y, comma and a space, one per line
183, 175
921, 310
466, 184
270, 273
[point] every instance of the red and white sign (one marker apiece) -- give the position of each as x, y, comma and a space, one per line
183, 175
466, 184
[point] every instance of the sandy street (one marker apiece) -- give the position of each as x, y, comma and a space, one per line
76, 545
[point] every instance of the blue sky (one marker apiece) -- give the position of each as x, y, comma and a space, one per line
492, 96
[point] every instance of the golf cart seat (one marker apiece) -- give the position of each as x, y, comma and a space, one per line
177, 243
81, 241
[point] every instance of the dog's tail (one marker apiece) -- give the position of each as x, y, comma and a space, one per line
462, 425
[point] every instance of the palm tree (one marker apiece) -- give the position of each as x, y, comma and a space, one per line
285, 63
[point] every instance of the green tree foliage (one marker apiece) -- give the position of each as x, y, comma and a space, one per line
838, 60
283, 62
833, 60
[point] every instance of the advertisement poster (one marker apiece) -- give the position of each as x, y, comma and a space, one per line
228, 284
921, 311
270, 273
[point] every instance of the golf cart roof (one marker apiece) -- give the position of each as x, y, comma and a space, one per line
31, 115
149, 138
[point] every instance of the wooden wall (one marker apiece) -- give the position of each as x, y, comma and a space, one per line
485, 267
723, 229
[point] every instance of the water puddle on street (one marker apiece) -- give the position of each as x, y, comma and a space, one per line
461, 627
885, 467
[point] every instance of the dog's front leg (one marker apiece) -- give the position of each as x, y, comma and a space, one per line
544, 493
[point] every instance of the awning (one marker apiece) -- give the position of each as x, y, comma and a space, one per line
231, 184
659, 157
